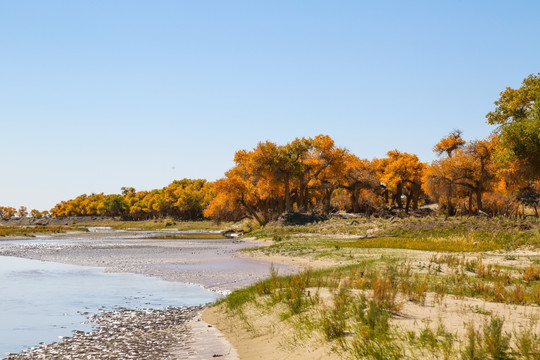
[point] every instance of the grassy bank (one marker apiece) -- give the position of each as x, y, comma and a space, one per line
406, 289
33, 230
156, 224
468, 234
28, 226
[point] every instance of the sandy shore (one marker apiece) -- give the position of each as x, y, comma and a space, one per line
214, 264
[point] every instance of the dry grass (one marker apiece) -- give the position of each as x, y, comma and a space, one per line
374, 286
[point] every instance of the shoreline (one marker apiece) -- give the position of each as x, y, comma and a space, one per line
213, 264
122, 334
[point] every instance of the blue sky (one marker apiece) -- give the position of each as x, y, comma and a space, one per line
96, 95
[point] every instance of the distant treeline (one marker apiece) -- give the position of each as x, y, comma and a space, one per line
183, 199
498, 175
8, 212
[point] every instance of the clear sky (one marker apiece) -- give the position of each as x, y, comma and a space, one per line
96, 95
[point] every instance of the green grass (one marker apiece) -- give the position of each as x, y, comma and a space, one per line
32, 230
358, 326
202, 236
432, 234
157, 224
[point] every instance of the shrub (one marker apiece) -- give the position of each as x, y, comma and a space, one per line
527, 342
496, 344
385, 293
490, 343
334, 321
532, 273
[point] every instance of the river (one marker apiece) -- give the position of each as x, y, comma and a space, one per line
44, 301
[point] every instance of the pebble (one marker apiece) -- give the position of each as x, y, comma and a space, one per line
122, 334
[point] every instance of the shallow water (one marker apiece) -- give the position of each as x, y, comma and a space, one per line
43, 301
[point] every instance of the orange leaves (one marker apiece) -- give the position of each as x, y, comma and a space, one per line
7, 212
401, 175
467, 172
23, 211
36, 214
271, 179
185, 199
313, 174
401, 168
450, 143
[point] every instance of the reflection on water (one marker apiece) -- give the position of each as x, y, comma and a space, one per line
43, 301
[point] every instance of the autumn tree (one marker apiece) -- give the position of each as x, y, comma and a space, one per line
277, 164
468, 171
189, 198
316, 158
233, 201
295, 160
127, 190
138, 205
113, 205
402, 173
440, 183
7, 212
478, 169
272, 179
238, 197
448, 144
250, 188
330, 167
23, 212
530, 196
182, 199
36, 214
358, 176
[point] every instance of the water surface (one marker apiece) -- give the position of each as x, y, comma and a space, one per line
44, 301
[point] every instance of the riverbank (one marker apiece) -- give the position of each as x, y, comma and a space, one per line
433, 288
426, 288
124, 334
212, 263
114, 223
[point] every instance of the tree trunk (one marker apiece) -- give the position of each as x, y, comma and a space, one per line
302, 196
415, 196
287, 195
326, 200
479, 200
354, 200
306, 202
253, 213
450, 207
399, 192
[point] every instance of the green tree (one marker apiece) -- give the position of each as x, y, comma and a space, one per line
517, 113
113, 205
